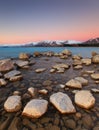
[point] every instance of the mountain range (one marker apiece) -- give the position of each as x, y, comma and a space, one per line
58, 43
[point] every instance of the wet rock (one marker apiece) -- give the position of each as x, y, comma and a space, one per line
95, 59
82, 80
95, 76
16, 78
31, 90
21, 63
87, 121
78, 67
2, 82
6, 65
47, 82
36, 54
86, 61
66, 52
95, 90
43, 91
12, 74
24, 56
58, 66
35, 108
62, 102
73, 83
70, 123
13, 104
14, 124
84, 99
40, 70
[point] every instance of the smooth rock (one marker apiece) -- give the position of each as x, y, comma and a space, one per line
12, 74
62, 102
86, 61
95, 76
40, 70
35, 108
73, 83
84, 99
6, 65
16, 78
2, 82
24, 56
13, 104
95, 59
31, 90
82, 80
21, 63
43, 91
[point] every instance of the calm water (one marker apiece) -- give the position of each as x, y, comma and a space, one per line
14, 51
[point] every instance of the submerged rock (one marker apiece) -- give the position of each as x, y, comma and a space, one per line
35, 108
13, 104
84, 99
62, 102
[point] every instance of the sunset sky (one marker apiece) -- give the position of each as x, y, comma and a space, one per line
23, 21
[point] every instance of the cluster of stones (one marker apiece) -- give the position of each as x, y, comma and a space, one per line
61, 101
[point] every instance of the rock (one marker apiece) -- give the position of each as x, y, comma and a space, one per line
94, 53
61, 70
95, 59
47, 82
16, 78
63, 57
75, 91
87, 122
73, 83
43, 91
70, 123
62, 102
36, 54
58, 66
2, 82
86, 61
24, 56
26, 67
62, 86
84, 99
49, 54
40, 70
95, 90
21, 63
6, 65
76, 57
32, 62
16, 93
97, 81
82, 80
12, 74
35, 108
66, 52
88, 72
53, 127
78, 115
77, 62
31, 90
78, 67
14, 124
52, 70
95, 76
13, 104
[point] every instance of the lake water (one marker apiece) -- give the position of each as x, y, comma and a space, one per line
12, 52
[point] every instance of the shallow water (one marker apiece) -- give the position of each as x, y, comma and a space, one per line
8, 52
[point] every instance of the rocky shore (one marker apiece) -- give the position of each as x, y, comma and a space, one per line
49, 91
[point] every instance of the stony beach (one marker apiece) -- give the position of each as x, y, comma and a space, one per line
49, 91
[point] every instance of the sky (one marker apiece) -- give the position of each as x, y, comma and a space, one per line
23, 21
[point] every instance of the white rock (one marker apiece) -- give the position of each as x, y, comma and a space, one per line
82, 80
95, 76
35, 108
84, 99
31, 90
62, 102
40, 70
73, 83
62, 86
13, 104
12, 74
43, 91
2, 82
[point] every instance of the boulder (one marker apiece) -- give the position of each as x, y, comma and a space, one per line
62, 102
6, 65
40, 70
86, 61
95, 59
2, 82
21, 63
82, 80
13, 104
12, 74
35, 108
84, 99
24, 56
66, 52
73, 83
95, 76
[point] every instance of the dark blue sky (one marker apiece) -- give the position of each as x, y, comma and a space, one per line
33, 20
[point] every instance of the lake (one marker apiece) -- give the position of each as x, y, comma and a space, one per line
12, 52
